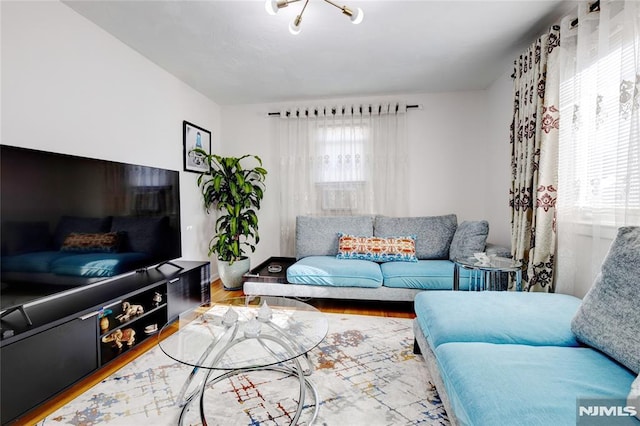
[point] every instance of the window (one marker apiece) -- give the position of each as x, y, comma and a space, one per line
341, 153
599, 168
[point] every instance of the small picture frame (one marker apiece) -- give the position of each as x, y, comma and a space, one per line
195, 137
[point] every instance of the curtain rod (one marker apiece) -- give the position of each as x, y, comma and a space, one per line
593, 7
333, 110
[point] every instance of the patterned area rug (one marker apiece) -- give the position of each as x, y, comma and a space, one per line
365, 373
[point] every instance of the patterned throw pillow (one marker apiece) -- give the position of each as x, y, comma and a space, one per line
377, 249
91, 243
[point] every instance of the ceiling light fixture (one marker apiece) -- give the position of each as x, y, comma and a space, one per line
273, 6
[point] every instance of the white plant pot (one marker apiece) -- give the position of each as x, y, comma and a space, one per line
231, 274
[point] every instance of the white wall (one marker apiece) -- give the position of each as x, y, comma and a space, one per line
499, 107
458, 148
69, 87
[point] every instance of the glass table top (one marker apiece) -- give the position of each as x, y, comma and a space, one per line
494, 263
245, 332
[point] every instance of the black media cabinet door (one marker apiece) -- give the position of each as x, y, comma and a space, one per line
35, 368
190, 290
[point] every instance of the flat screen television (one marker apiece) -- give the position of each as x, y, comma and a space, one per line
70, 221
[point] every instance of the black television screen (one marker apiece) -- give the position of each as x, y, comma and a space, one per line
69, 221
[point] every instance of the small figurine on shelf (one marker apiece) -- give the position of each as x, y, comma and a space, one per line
129, 310
104, 320
157, 299
118, 337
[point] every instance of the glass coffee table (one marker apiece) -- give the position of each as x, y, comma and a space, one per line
488, 275
242, 335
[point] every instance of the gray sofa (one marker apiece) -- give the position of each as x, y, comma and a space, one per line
326, 269
504, 358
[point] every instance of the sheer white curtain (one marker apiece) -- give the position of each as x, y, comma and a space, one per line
341, 160
599, 158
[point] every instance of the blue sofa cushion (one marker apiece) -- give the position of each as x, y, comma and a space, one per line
318, 235
497, 317
609, 318
433, 233
424, 274
503, 384
469, 238
39, 261
98, 264
329, 271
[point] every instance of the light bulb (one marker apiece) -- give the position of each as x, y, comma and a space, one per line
294, 26
357, 17
271, 6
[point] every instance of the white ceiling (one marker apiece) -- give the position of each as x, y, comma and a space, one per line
235, 53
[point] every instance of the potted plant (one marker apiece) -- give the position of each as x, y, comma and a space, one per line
235, 191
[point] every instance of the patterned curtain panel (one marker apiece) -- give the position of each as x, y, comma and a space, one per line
534, 151
341, 161
599, 160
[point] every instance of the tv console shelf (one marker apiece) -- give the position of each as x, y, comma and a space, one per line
75, 333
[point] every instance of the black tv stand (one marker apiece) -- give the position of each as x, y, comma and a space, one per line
168, 262
71, 335
17, 308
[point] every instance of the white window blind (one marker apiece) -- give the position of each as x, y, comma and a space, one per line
599, 170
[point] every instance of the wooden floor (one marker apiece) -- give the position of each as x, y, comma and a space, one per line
354, 307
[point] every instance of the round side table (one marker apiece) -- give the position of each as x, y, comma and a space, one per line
487, 275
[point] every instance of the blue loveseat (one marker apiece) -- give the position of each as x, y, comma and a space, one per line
81, 250
505, 358
322, 271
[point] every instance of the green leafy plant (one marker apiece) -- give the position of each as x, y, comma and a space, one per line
236, 193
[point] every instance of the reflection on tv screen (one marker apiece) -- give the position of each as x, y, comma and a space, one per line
69, 221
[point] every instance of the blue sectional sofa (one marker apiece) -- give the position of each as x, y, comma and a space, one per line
325, 269
505, 358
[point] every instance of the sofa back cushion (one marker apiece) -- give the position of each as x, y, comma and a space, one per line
433, 233
149, 235
469, 238
609, 317
24, 237
318, 235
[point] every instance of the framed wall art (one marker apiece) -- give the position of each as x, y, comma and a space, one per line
195, 137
